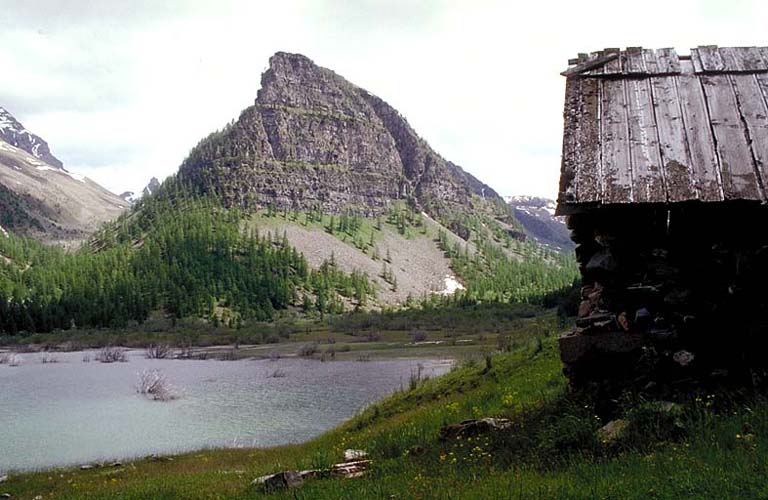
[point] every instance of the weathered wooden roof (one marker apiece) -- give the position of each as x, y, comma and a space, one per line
645, 126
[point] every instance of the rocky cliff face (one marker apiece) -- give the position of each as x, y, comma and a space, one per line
14, 133
314, 139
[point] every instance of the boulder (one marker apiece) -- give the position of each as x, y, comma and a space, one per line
281, 480
575, 347
613, 431
350, 455
603, 261
293, 479
474, 427
683, 358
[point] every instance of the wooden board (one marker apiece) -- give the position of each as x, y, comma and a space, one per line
754, 114
617, 169
705, 167
753, 59
733, 59
592, 66
650, 61
589, 173
736, 164
743, 59
570, 159
762, 82
676, 161
710, 59
696, 61
667, 61
647, 175
615, 65
763, 51
635, 62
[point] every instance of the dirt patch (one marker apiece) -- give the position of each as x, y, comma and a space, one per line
417, 263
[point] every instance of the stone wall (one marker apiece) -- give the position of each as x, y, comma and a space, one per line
670, 295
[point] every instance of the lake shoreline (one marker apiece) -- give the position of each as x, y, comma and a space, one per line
88, 412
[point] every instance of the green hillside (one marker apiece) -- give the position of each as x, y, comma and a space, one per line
186, 256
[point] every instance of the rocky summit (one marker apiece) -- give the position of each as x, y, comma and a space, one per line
314, 140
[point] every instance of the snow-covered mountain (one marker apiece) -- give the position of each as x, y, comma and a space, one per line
14, 133
39, 198
132, 197
129, 197
537, 215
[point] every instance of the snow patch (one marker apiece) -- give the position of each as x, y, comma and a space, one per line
451, 285
3, 232
77, 177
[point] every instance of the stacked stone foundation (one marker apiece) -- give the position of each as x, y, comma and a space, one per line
670, 295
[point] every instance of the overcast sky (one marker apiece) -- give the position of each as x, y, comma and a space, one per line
122, 90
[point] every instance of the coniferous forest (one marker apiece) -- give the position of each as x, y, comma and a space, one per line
186, 255
177, 252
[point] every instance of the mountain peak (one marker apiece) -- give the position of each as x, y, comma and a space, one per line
14, 133
279, 60
313, 139
151, 187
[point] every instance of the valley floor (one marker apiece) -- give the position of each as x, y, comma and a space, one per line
715, 447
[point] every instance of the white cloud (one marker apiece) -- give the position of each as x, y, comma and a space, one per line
122, 94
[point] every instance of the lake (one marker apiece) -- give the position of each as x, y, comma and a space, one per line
71, 412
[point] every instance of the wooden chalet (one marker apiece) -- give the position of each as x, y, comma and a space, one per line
663, 180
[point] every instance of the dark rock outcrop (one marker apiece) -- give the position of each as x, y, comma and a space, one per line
312, 139
14, 133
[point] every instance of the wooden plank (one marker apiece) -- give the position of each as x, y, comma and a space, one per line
667, 61
732, 57
737, 167
614, 66
635, 62
589, 173
598, 70
754, 114
711, 61
705, 168
763, 51
650, 61
617, 169
570, 160
675, 158
696, 60
589, 65
762, 82
753, 60
647, 175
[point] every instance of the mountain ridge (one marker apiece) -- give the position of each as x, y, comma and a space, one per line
39, 197
537, 216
